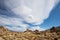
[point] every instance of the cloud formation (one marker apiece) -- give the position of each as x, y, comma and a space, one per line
21, 14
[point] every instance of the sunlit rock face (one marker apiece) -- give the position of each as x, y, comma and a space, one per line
31, 11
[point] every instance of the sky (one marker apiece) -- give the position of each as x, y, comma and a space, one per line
54, 18
19, 15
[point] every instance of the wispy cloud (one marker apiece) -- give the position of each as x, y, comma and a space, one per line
14, 24
36, 28
17, 12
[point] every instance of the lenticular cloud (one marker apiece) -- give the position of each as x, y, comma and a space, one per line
32, 12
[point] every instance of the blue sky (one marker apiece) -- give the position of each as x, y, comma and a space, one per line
53, 19
19, 15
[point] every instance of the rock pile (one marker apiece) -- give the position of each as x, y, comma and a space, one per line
50, 34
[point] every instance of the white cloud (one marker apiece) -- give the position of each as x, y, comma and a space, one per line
15, 28
30, 11
14, 23
37, 28
38, 11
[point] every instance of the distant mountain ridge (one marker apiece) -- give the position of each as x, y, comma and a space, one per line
50, 34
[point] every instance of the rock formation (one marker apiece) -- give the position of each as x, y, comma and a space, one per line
50, 34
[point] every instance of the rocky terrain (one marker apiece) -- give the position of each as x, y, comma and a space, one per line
50, 34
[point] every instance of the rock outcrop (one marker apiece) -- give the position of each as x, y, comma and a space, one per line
50, 34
